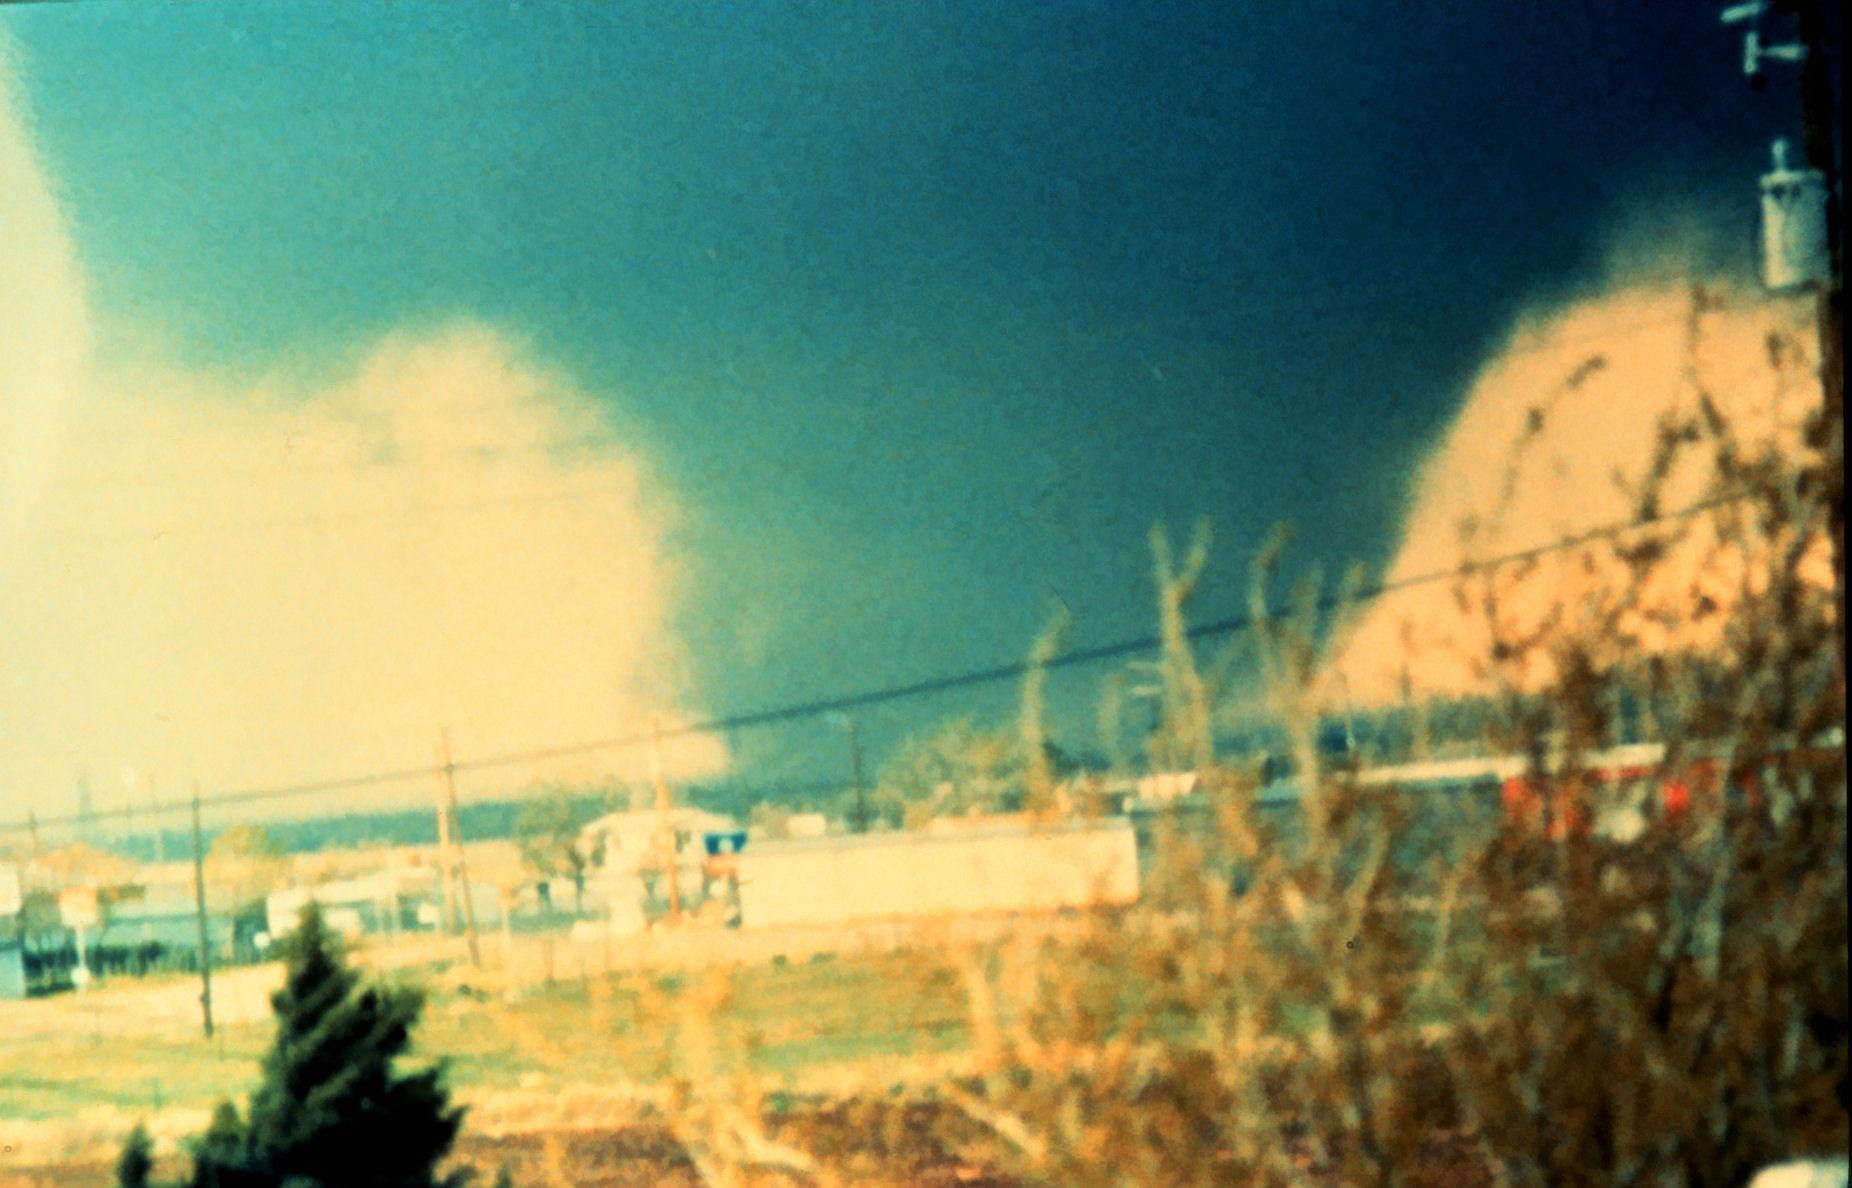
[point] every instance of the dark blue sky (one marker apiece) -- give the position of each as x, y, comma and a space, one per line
925, 312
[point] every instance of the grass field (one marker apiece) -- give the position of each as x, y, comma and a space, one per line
548, 1037
76, 1072
582, 1016
625, 1026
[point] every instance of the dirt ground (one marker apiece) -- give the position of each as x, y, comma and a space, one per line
639, 1156
900, 1153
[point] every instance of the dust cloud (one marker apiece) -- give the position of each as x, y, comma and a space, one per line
1552, 442
270, 580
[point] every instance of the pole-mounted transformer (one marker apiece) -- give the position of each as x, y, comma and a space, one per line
1794, 247
1796, 237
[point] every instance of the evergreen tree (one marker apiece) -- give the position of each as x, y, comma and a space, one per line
331, 1110
137, 1159
219, 1155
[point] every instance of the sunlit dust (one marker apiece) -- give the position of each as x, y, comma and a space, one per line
1551, 445
44, 325
266, 582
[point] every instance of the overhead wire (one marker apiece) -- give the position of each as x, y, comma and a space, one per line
928, 687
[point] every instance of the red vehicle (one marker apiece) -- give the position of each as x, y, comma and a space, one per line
1619, 805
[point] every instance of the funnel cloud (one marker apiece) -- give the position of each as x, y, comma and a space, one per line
264, 580
1551, 443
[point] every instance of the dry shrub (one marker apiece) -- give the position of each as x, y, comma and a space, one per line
1693, 1024
1257, 1018
1529, 1003
1389, 987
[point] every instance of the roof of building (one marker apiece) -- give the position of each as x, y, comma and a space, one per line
649, 820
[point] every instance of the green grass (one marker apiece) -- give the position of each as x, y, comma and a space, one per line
627, 1026
56, 1076
606, 1028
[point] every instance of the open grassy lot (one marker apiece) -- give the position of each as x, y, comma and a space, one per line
131, 1044
580, 1017
77, 1072
630, 1026
550, 1039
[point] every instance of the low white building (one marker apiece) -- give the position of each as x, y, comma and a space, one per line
622, 846
986, 867
389, 901
807, 825
629, 841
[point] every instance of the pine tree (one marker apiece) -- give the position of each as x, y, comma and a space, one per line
137, 1159
331, 1109
219, 1156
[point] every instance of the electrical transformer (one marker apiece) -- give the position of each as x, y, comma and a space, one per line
1794, 251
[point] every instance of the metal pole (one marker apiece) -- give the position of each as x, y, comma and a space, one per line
205, 936
456, 834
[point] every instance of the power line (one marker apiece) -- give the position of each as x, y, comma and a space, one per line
924, 688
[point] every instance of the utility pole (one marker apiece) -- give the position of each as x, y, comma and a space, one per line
154, 821
858, 818
666, 820
455, 833
445, 872
861, 791
1819, 144
205, 935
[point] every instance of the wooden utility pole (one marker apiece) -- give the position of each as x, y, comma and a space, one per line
1819, 143
455, 833
154, 822
667, 822
445, 873
205, 934
861, 790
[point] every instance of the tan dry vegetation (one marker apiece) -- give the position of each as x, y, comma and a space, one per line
1523, 1006
1520, 1006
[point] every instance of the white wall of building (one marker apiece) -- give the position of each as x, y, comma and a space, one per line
1000, 868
